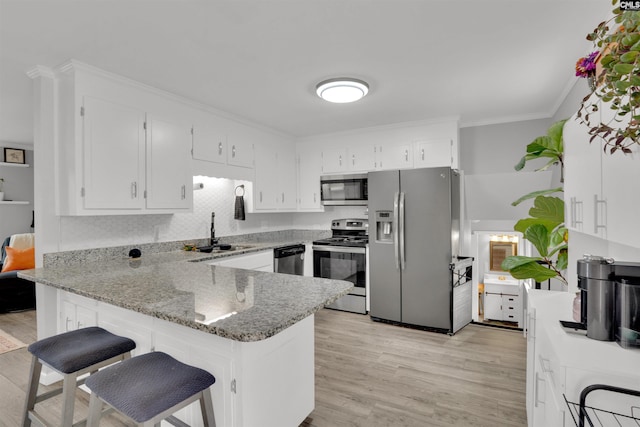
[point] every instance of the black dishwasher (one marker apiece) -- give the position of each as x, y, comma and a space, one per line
289, 259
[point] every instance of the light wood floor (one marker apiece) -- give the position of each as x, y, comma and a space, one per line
367, 374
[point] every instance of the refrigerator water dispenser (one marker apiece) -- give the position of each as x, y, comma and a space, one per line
384, 226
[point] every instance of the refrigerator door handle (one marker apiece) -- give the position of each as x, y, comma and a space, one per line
403, 260
396, 246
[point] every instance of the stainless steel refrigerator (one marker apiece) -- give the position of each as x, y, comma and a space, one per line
414, 223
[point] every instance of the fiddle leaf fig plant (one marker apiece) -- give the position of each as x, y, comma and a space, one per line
617, 83
544, 227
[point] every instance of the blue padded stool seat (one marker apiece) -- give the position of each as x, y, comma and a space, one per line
71, 354
75, 350
148, 386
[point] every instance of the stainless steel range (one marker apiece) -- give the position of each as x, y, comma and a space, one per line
343, 256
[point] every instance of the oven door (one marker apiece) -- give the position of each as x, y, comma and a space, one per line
342, 263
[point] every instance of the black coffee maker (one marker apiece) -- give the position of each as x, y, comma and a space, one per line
610, 299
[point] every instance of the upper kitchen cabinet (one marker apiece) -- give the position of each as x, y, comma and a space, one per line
400, 146
169, 183
309, 171
124, 147
431, 153
393, 156
355, 158
274, 188
113, 142
240, 143
584, 206
210, 139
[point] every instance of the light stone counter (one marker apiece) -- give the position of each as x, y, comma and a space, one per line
242, 305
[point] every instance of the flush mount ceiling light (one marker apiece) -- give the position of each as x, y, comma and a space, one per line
342, 90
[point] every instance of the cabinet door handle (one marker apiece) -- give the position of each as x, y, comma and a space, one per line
406, 155
283, 197
353, 159
536, 394
596, 202
219, 148
422, 153
340, 159
233, 151
314, 197
183, 192
134, 190
261, 197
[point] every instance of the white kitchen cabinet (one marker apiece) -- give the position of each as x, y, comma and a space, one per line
210, 140
114, 155
241, 140
261, 261
584, 206
309, 164
356, 158
334, 160
433, 153
169, 183
275, 186
124, 149
621, 196
393, 156
266, 182
76, 313
560, 364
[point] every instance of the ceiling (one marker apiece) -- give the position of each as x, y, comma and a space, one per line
484, 61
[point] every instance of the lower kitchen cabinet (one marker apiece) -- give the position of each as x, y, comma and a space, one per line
261, 261
76, 312
560, 364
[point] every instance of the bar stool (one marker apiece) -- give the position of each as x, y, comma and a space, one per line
71, 354
150, 388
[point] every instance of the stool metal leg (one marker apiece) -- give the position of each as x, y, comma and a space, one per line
68, 399
95, 411
206, 406
32, 391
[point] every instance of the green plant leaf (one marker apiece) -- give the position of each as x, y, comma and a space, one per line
623, 68
533, 270
622, 85
555, 133
629, 56
512, 262
535, 194
548, 207
538, 235
557, 237
523, 224
563, 260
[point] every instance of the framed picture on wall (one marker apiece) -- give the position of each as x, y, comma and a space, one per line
499, 251
13, 155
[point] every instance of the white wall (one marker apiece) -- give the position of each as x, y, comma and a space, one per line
18, 185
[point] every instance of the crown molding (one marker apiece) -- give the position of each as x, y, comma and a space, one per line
72, 65
40, 71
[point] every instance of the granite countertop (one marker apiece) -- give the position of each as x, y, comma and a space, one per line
242, 305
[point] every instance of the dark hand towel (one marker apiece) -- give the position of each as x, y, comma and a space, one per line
238, 212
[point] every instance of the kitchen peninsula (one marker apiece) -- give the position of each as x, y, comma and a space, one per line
254, 331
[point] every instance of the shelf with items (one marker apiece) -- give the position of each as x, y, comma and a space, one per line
18, 165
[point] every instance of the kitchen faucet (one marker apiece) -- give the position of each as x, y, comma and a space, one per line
214, 241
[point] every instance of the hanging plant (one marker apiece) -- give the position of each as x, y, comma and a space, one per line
617, 82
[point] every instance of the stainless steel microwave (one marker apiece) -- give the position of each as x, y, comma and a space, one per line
344, 190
